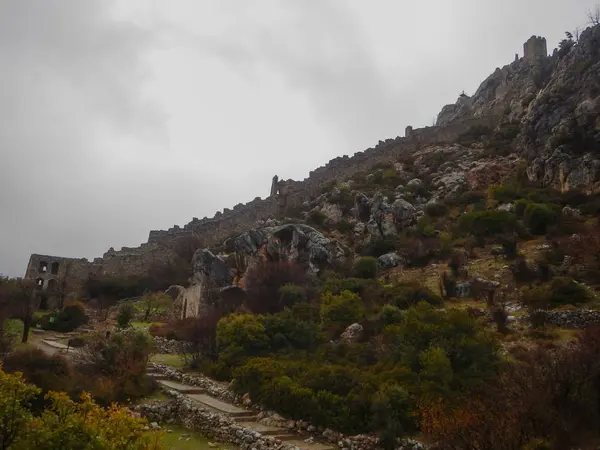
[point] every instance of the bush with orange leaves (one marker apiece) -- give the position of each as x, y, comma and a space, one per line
547, 397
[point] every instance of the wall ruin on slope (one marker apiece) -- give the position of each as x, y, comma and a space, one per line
158, 249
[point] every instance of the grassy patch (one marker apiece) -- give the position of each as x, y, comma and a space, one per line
168, 359
14, 327
144, 325
183, 439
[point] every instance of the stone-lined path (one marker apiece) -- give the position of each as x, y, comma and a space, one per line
243, 417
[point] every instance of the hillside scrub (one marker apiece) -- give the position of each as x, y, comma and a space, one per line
429, 353
548, 399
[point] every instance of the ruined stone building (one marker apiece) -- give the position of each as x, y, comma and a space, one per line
535, 48
56, 278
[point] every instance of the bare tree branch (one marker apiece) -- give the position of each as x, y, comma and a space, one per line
594, 16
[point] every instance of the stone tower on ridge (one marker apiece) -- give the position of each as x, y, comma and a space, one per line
535, 48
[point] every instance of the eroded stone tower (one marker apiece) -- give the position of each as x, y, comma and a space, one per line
535, 48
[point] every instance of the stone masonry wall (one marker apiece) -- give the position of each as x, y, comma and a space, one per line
158, 249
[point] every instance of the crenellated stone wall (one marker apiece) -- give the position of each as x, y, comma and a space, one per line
134, 261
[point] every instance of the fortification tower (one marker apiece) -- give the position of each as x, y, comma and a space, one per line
535, 48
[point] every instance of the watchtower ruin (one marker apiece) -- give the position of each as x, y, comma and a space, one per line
535, 48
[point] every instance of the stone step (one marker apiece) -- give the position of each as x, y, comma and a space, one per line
252, 418
179, 387
314, 446
157, 376
287, 437
265, 430
222, 407
55, 344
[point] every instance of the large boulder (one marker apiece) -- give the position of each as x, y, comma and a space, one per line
390, 260
333, 212
291, 242
352, 334
206, 264
404, 212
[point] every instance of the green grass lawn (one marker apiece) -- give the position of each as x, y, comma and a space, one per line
168, 359
172, 441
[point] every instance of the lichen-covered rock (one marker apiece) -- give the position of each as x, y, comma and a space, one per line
404, 212
414, 183
352, 334
506, 207
390, 260
333, 213
450, 185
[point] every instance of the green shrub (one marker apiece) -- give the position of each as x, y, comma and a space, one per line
469, 198
560, 291
488, 223
425, 227
509, 246
390, 315
406, 294
366, 267
436, 210
360, 286
381, 246
292, 294
504, 193
539, 216
339, 311
316, 218
114, 368
291, 329
393, 414
125, 315
520, 206
344, 226
67, 319
471, 351
592, 207
240, 336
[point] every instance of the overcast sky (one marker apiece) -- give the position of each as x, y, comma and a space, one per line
121, 117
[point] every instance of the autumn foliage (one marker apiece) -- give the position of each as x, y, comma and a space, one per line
546, 397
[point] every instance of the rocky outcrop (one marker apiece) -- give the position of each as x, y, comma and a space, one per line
561, 129
292, 242
506, 93
207, 264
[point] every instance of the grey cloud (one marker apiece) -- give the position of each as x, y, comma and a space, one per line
318, 48
69, 88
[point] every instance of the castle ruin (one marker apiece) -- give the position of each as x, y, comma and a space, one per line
535, 48
70, 274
